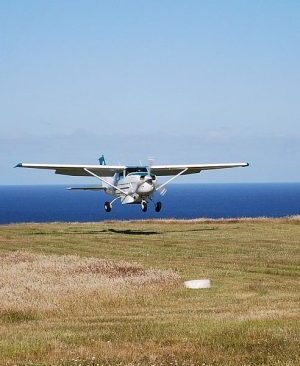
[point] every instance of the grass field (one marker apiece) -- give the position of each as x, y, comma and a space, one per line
112, 293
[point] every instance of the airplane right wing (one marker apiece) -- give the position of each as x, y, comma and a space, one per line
76, 170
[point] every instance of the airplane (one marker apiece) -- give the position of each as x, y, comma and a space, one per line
129, 184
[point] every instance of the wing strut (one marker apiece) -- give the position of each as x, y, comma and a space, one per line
168, 181
106, 182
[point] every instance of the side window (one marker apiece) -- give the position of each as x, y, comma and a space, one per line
119, 176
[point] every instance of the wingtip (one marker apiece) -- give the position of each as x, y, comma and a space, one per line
19, 165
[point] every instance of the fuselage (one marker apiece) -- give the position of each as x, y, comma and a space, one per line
136, 183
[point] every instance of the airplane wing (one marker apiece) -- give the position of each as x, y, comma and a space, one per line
164, 170
77, 170
110, 170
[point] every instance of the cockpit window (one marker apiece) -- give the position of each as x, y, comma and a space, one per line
142, 175
120, 175
138, 169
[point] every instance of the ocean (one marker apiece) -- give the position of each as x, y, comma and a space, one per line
183, 201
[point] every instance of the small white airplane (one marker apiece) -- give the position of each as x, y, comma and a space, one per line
129, 184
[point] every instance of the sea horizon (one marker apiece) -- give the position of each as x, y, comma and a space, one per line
53, 203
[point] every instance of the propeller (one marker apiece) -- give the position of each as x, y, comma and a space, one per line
150, 163
151, 160
163, 191
135, 186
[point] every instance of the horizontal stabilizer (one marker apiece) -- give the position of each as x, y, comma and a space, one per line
98, 188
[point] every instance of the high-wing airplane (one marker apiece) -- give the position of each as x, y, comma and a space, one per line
129, 184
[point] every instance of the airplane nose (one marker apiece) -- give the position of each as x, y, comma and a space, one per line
146, 187
148, 179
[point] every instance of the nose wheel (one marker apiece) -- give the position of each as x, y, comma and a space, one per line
144, 206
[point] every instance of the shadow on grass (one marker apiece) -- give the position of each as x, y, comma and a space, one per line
93, 232
117, 231
16, 316
132, 232
204, 229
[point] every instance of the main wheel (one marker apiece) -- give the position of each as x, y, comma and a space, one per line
158, 206
107, 206
144, 206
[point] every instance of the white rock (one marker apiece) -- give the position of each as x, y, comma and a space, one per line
195, 284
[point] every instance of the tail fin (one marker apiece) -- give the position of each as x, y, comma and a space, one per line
102, 160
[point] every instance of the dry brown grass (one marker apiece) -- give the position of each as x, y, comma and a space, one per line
37, 282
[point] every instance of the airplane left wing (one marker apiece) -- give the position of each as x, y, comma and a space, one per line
77, 170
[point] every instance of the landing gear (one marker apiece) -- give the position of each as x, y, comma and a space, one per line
107, 206
158, 206
144, 206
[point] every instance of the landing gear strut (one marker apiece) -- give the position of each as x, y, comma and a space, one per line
107, 206
144, 206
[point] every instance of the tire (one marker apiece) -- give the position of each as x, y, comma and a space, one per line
107, 206
144, 206
158, 206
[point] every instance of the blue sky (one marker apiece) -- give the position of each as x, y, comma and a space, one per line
181, 81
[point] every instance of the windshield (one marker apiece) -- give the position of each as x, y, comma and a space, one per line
140, 169
143, 174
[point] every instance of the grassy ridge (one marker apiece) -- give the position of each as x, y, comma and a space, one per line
248, 317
